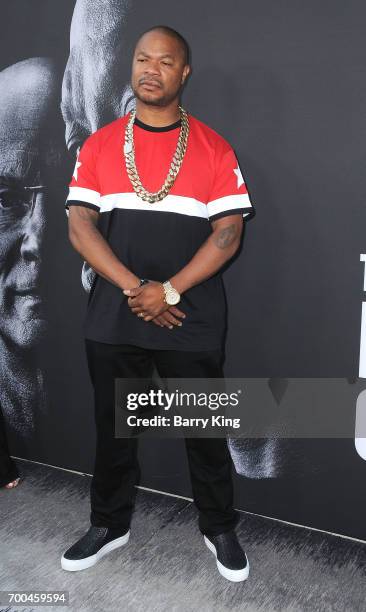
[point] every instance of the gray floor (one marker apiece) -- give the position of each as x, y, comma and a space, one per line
165, 566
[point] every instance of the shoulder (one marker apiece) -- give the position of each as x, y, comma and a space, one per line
96, 139
215, 140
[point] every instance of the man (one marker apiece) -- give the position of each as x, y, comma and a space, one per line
96, 90
157, 234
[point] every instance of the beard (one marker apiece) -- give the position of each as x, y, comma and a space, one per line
152, 100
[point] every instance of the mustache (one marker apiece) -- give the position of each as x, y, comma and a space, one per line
153, 81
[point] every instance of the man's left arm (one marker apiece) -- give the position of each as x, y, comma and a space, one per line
219, 247
227, 207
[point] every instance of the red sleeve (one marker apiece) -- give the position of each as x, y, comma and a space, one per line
229, 194
84, 189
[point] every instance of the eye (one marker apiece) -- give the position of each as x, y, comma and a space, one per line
140, 60
167, 63
11, 199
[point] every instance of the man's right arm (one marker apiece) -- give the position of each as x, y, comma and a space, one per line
87, 240
84, 234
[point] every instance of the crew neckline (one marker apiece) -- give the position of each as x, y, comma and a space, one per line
154, 128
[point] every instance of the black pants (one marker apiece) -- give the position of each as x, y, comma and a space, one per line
116, 469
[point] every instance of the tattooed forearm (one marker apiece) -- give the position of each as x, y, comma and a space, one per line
226, 236
220, 246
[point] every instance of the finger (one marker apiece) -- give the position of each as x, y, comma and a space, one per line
154, 312
141, 316
133, 292
146, 315
136, 302
172, 320
164, 320
158, 321
178, 313
167, 320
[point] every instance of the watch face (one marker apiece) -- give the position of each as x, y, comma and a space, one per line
173, 298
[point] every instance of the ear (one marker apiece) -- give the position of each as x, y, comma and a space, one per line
186, 71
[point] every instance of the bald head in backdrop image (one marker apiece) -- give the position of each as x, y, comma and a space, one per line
31, 158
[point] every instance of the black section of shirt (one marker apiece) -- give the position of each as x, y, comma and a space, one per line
155, 245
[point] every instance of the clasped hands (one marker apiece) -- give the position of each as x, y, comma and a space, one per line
149, 300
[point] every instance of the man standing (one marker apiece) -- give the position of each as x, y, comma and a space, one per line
156, 207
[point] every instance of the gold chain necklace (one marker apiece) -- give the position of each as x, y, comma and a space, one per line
129, 155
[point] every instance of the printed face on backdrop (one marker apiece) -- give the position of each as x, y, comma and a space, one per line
94, 86
94, 90
32, 156
27, 97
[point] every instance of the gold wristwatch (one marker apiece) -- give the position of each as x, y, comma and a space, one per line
172, 296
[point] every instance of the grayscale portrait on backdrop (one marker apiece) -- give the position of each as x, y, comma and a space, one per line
30, 158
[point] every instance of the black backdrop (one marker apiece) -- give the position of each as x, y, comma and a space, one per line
285, 83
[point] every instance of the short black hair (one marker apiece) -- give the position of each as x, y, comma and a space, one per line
174, 34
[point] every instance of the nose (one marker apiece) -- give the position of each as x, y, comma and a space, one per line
33, 229
152, 68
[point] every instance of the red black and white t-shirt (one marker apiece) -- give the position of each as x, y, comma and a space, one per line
156, 240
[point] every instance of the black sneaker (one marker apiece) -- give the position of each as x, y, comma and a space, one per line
231, 559
97, 542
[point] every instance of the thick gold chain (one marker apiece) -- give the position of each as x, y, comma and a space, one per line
129, 155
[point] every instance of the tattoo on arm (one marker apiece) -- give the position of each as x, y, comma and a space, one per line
84, 213
226, 236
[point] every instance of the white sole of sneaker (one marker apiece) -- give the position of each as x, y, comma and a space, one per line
229, 574
74, 565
